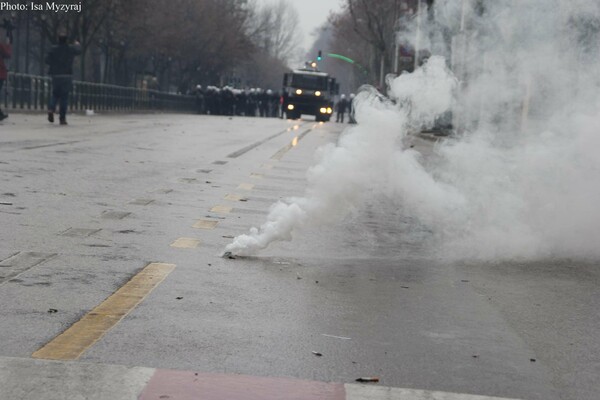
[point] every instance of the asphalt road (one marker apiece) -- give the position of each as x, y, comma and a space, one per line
86, 207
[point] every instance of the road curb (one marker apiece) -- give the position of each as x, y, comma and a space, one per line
30, 379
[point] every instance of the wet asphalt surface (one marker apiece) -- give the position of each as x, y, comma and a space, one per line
83, 208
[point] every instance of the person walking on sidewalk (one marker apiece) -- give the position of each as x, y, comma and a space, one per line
60, 62
5, 53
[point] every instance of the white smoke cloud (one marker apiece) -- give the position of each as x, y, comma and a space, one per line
522, 177
366, 159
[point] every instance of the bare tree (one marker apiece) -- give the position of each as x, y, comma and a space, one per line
279, 32
178, 42
373, 23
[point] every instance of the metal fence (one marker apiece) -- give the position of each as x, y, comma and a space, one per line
32, 92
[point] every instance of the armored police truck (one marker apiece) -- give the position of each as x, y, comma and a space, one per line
308, 91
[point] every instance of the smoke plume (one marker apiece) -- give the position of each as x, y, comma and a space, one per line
519, 179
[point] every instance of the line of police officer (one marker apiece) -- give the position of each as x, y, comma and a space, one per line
230, 101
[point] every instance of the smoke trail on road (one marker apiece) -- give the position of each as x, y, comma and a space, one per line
522, 180
368, 158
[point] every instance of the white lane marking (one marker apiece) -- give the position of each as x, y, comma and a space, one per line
369, 392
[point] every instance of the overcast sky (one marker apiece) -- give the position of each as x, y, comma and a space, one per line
313, 13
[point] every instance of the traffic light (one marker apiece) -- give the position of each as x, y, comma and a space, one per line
319, 56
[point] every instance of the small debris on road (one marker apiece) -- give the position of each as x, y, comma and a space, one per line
475, 356
179, 298
6, 204
52, 310
316, 353
229, 255
371, 379
228, 237
532, 360
405, 287
465, 280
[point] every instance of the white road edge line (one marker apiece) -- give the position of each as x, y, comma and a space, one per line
369, 392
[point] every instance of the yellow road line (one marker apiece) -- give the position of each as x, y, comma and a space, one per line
221, 209
257, 176
233, 197
73, 342
186, 243
246, 186
205, 224
279, 155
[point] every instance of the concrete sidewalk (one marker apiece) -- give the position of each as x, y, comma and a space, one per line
29, 379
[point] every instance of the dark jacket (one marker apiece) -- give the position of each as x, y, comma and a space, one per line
341, 106
5, 52
60, 59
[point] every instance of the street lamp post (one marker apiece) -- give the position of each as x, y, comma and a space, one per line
17, 42
27, 18
460, 41
42, 43
418, 37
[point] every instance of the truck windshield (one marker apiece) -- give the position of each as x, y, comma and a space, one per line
310, 82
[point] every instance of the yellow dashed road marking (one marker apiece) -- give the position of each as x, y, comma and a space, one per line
233, 197
73, 342
205, 224
221, 209
246, 186
279, 155
257, 176
186, 243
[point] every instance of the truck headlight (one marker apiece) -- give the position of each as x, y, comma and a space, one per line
290, 106
298, 91
317, 93
323, 110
